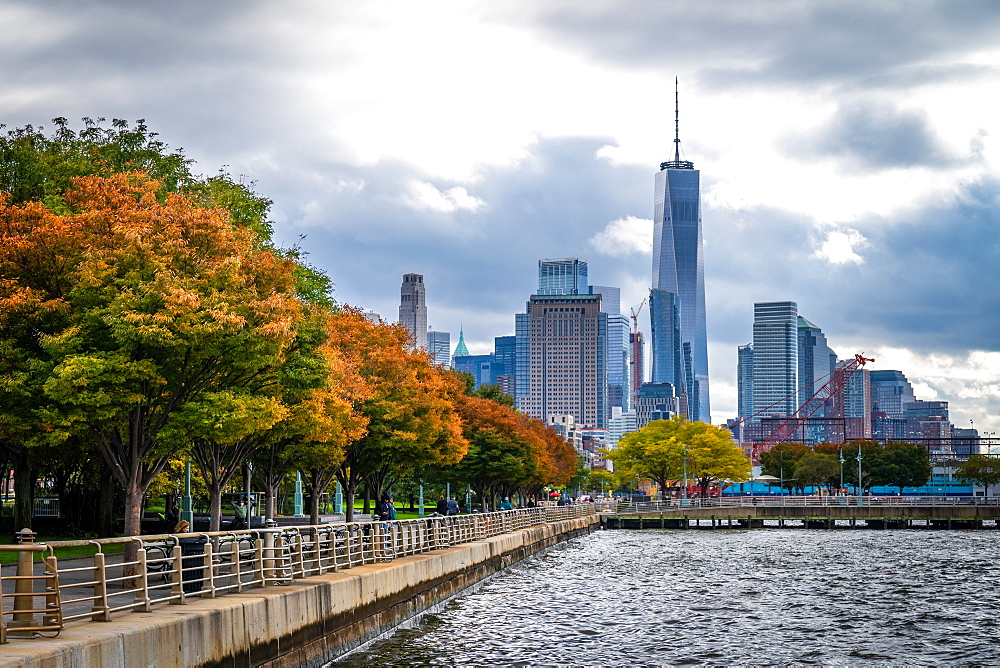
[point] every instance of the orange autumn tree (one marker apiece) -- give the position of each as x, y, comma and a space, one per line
508, 451
146, 305
327, 419
411, 417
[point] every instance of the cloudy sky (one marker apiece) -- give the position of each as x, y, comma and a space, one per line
848, 151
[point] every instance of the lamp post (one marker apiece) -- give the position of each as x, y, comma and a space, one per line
187, 507
841, 451
684, 492
859, 476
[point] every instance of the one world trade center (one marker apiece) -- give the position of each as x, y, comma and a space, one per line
677, 298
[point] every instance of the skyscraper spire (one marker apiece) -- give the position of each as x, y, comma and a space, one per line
677, 163
677, 121
461, 350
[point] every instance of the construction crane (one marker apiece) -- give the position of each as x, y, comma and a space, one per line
636, 310
792, 423
635, 339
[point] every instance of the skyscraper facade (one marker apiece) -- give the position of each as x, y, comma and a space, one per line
668, 346
817, 362
413, 308
567, 342
678, 268
890, 392
637, 363
562, 276
775, 358
619, 391
744, 380
439, 346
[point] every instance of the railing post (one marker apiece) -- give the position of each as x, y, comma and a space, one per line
142, 594
177, 576
267, 562
53, 601
101, 609
208, 566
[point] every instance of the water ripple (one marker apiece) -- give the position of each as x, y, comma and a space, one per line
761, 598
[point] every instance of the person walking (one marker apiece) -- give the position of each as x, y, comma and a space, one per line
442, 506
506, 504
452, 506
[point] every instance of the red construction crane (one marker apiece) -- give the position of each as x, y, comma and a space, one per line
635, 338
636, 310
792, 423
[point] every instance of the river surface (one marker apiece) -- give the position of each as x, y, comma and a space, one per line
761, 597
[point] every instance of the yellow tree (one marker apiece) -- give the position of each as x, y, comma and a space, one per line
654, 453
712, 455
665, 450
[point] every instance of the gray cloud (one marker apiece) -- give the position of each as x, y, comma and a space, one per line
928, 280
754, 43
871, 135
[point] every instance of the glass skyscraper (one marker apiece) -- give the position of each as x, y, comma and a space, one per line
678, 268
775, 358
562, 276
619, 390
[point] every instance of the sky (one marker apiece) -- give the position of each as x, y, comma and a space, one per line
848, 151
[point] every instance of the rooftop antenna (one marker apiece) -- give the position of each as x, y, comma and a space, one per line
677, 163
677, 121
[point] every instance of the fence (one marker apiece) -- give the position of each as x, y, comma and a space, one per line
172, 568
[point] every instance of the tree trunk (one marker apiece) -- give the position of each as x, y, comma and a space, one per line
214, 506
348, 504
270, 497
106, 503
24, 489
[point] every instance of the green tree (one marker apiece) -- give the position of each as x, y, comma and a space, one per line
815, 469
780, 462
902, 464
980, 469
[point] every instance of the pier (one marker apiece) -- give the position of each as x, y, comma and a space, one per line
788, 512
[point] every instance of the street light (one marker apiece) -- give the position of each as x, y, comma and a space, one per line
859, 475
685, 490
841, 451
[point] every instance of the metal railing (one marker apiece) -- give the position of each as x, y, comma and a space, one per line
169, 569
676, 505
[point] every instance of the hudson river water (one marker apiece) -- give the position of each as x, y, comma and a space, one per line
761, 597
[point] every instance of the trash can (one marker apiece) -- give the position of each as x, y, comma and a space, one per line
193, 558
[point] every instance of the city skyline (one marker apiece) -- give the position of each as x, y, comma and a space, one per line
848, 158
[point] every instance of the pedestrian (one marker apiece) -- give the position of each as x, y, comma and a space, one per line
531, 502
453, 506
442, 506
380, 507
240, 510
506, 504
182, 527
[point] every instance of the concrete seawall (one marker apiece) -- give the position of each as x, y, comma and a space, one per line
307, 622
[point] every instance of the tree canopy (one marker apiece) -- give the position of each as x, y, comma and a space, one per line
664, 450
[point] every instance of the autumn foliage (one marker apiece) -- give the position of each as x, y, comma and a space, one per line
149, 314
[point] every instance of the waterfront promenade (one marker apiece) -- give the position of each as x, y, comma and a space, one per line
280, 596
